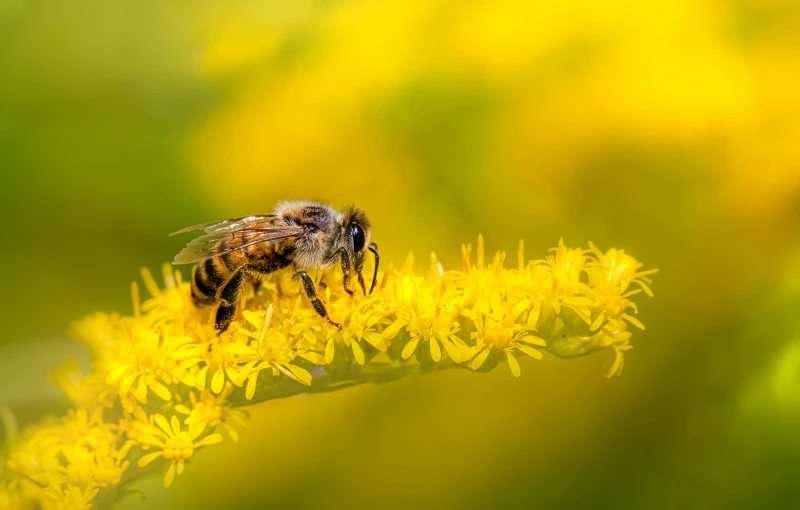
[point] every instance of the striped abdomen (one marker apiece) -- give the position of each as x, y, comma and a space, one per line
221, 278
210, 277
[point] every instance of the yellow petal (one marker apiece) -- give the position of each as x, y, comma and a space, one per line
176, 425
494, 299
436, 350
150, 282
202, 375
632, 320
376, 339
616, 367
194, 421
218, 381
530, 351
459, 342
298, 328
452, 350
535, 340
597, 322
233, 433
126, 384
160, 390
478, 361
181, 465
393, 329
313, 357
209, 439
233, 375
150, 457
126, 402
141, 390
151, 440
469, 352
115, 374
186, 365
254, 319
300, 375
163, 424
410, 347
533, 318
583, 312
357, 352
513, 364
197, 429
170, 475
183, 409
644, 286
251, 385
520, 307
329, 350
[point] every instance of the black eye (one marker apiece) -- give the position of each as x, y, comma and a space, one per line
358, 237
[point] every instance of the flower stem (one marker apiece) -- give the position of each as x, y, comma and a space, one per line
333, 381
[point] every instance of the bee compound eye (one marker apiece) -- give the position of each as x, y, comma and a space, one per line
358, 237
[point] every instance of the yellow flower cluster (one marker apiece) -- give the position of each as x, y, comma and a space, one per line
63, 463
164, 383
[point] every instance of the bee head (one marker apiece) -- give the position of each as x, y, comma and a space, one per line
358, 233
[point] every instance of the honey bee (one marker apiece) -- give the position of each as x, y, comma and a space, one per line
300, 235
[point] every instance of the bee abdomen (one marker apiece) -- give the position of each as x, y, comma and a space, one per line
207, 280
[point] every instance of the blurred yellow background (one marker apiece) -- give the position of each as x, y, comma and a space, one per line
670, 129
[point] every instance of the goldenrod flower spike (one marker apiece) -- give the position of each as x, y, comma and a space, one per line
163, 383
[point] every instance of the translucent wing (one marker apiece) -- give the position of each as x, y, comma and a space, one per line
259, 220
231, 235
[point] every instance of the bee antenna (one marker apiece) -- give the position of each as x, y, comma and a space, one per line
373, 247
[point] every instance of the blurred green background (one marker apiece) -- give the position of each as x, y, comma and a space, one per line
670, 129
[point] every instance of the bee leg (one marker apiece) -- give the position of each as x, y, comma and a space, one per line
228, 300
225, 314
373, 247
345, 260
311, 292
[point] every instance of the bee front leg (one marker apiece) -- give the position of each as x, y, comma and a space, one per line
345, 260
311, 292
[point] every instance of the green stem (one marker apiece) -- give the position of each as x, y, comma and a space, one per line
352, 375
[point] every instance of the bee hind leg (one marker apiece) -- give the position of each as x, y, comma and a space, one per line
228, 300
311, 292
225, 314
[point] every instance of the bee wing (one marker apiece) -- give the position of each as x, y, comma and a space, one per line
231, 225
215, 243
